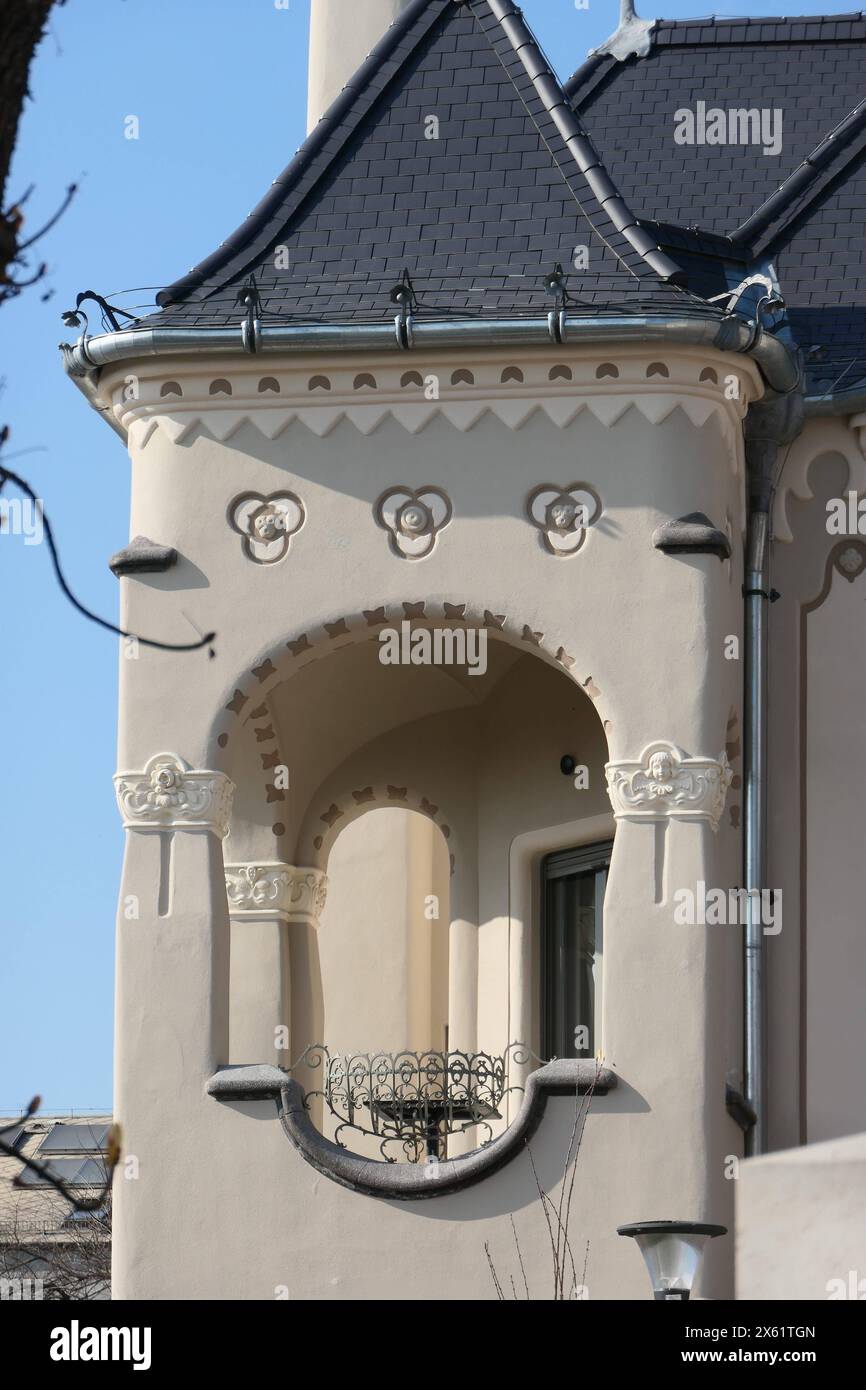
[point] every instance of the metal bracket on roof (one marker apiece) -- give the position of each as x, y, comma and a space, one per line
403, 295
251, 328
633, 38
557, 324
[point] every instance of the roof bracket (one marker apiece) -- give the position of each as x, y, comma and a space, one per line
403, 295
557, 325
251, 328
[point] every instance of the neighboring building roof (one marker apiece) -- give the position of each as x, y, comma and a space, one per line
811, 69
478, 214
73, 1145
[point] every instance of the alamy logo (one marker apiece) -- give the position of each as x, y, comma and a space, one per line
712, 907
737, 126
441, 646
853, 1287
19, 1290
77, 1343
21, 516
846, 516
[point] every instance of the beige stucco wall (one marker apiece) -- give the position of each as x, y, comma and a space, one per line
640, 633
817, 964
801, 1223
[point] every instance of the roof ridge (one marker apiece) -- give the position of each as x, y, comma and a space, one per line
709, 30
578, 143
807, 177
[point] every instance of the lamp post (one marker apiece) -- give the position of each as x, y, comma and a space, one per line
672, 1251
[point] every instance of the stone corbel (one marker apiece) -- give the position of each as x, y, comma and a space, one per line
263, 892
170, 795
665, 784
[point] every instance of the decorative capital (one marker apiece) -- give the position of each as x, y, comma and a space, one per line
170, 795
664, 783
263, 891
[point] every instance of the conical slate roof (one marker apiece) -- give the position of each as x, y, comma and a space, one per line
454, 154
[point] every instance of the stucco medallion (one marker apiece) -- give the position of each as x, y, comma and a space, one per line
413, 519
665, 783
266, 524
170, 795
275, 890
563, 515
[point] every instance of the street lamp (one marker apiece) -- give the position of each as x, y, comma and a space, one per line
672, 1251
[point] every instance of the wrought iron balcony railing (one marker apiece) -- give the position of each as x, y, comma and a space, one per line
412, 1101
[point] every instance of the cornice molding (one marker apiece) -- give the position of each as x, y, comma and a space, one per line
261, 892
366, 392
170, 795
664, 783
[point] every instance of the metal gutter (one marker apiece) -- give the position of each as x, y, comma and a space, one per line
837, 402
729, 333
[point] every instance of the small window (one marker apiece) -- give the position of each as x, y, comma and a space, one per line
75, 1138
572, 901
75, 1172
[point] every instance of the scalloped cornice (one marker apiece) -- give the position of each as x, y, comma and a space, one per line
413, 391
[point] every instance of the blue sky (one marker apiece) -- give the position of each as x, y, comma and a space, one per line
219, 87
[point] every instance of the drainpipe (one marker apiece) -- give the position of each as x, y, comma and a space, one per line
767, 427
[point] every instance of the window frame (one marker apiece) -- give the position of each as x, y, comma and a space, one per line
557, 865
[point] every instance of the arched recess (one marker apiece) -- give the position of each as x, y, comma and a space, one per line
478, 757
244, 697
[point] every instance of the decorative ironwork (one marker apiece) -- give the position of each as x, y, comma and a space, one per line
413, 1100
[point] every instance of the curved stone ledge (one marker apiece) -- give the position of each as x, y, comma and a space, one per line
408, 1182
694, 534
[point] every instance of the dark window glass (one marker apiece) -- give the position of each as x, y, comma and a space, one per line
572, 902
75, 1138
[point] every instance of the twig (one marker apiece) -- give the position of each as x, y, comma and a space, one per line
520, 1257
6, 474
493, 1273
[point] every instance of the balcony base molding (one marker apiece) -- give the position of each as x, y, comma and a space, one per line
409, 1182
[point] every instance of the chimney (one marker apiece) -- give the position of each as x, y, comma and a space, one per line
342, 33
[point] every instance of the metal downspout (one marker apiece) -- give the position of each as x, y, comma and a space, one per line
767, 427
756, 598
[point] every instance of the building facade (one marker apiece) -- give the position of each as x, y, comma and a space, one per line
481, 460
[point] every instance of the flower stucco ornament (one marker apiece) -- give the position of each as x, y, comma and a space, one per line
266, 524
563, 515
413, 519
168, 794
